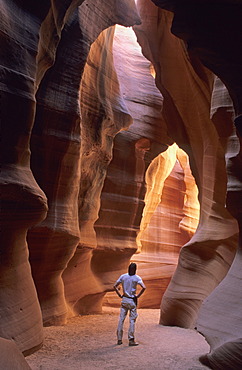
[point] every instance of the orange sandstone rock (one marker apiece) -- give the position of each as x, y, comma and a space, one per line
182, 78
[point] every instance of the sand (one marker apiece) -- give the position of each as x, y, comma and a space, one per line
89, 342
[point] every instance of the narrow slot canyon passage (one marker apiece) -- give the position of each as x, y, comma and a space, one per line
167, 192
121, 142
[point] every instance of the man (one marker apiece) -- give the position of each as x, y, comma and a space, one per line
129, 283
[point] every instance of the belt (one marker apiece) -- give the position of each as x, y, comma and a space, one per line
133, 298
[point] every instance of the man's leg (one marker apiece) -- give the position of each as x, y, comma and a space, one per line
123, 314
132, 319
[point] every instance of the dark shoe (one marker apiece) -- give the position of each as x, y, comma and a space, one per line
119, 342
132, 343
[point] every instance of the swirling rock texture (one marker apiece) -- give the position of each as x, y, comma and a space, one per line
73, 206
56, 145
215, 42
208, 34
227, 356
103, 115
205, 260
122, 198
23, 203
31, 36
170, 218
220, 318
124, 187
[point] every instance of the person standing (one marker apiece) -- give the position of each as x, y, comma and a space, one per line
129, 283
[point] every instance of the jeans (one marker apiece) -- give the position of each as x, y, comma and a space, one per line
127, 304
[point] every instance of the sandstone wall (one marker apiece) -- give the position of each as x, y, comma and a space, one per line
205, 260
170, 218
123, 195
89, 172
37, 39
223, 301
58, 155
103, 115
212, 42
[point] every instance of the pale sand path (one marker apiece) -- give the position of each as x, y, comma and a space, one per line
89, 342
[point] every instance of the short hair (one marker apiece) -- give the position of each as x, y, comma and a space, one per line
132, 268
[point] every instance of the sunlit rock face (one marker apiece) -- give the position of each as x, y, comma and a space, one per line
207, 257
122, 198
124, 187
58, 155
205, 260
212, 31
77, 157
36, 38
103, 115
91, 175
170, 218
137, 171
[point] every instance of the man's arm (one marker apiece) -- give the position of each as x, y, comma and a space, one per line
116, 289
141, 292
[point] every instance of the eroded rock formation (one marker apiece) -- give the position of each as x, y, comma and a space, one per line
223, 302
227, 356
208, 40
103, 115
89, 162
34, 39
170, 218
209, 254
11, 357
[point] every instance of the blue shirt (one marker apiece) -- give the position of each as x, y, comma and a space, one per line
129, 284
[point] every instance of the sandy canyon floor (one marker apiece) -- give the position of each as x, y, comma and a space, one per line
89, 342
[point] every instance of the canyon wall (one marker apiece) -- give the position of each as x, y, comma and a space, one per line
113, 151
40, 109
214, 43
208, 255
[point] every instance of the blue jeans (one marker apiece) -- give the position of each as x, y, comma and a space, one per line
127, 304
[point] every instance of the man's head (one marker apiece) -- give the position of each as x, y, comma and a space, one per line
132, 268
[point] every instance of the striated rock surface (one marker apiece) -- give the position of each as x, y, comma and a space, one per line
212, 31
170, 218
23, 203
223, 302
104, 114
79, 164
11, 357
55, 143
34, 39
227, 356
124, 187
122, 198
57, 167
90, 175
205, 260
